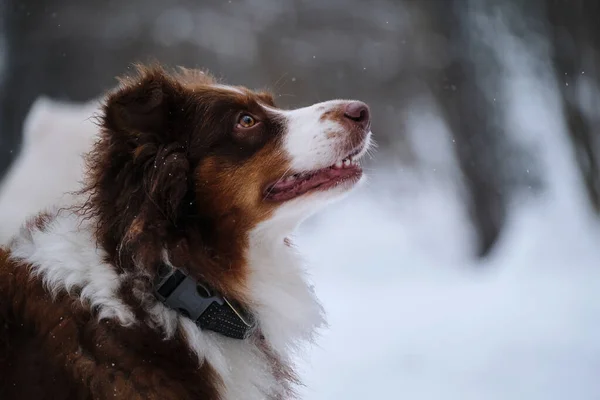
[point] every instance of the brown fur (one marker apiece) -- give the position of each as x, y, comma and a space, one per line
170, 170
56, 349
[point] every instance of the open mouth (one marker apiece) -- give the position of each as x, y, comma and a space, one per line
346, 171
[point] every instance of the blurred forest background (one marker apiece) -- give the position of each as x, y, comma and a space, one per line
389, 53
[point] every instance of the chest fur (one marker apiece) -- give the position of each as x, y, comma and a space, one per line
113, 341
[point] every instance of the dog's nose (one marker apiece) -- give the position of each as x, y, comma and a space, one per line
358, 112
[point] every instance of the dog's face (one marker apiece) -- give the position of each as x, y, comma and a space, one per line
276, 165
180, 152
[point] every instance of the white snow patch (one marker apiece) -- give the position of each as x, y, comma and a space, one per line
50, 165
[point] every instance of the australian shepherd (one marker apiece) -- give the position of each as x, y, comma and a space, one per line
174, 278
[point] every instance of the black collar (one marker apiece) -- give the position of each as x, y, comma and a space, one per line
208, 309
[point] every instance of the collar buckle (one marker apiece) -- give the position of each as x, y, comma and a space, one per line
208, 309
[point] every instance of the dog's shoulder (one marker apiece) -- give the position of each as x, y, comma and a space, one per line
53, 341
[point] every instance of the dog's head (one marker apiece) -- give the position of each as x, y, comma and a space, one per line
188, 165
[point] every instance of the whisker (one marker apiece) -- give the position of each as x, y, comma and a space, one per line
276, 182
279, 80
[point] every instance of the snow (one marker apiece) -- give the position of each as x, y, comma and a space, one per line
55, 135
411, 321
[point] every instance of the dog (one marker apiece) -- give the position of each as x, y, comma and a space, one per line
173, 276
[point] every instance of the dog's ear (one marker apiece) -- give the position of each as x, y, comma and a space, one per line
143, 102
139, 172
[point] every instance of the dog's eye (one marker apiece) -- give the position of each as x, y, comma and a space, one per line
246, 121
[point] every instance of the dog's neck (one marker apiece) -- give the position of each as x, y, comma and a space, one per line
284, 301
63, 252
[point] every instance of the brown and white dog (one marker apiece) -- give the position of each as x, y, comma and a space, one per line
190, 181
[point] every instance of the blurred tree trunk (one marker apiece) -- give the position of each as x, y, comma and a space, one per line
471, 118
9, 134
575, 37
33, 68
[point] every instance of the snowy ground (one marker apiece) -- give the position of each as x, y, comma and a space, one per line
409, 320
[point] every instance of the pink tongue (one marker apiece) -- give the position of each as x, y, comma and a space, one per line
290, 189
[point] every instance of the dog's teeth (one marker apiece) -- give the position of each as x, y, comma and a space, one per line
339, 164
346, 162
289, 178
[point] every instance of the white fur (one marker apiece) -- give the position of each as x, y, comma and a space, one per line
229, 88
312, 143
285, 303
64, 254
285, 306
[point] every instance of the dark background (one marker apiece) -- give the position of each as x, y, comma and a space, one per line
384, 52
